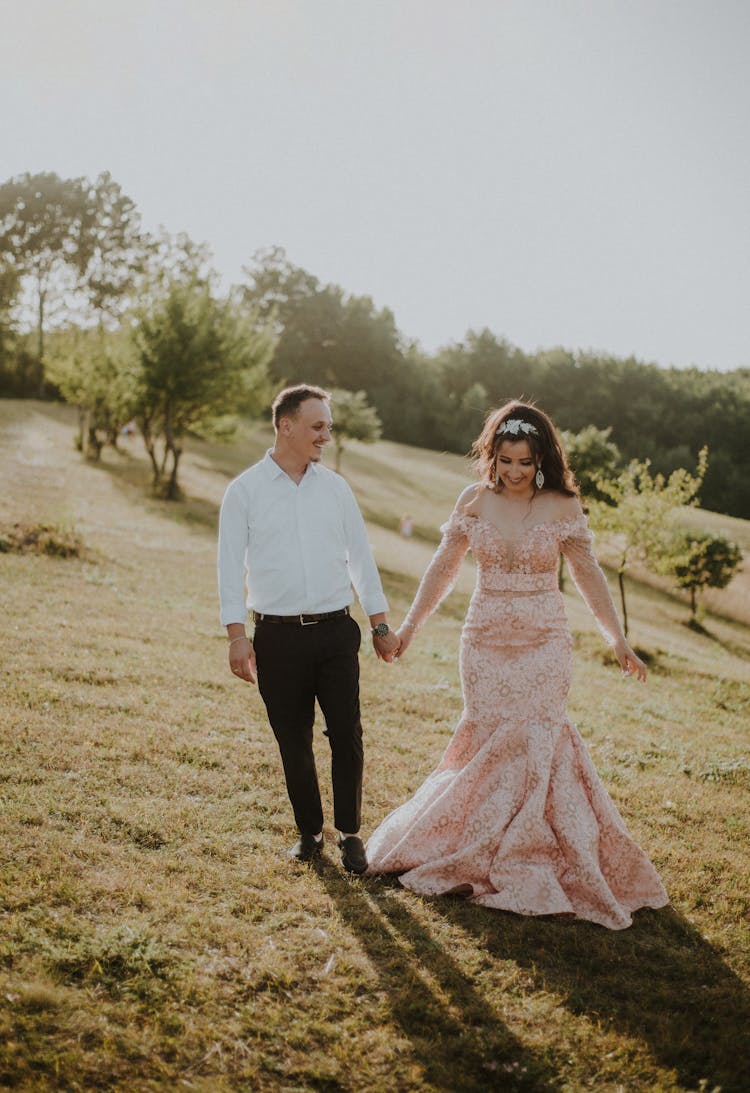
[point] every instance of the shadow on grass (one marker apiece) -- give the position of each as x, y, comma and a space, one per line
133, 475
729, 645
460, 1042
659, 981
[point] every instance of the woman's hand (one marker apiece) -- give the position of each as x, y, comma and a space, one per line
404, 634
629, 662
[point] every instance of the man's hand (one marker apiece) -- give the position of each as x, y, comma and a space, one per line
386, 648
242, 659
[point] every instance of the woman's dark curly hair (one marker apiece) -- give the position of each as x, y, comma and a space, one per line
545, 445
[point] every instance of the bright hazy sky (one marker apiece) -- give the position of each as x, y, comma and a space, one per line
565, 172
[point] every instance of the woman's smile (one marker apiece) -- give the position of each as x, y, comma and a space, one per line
516, 467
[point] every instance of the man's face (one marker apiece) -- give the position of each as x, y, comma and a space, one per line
309, 430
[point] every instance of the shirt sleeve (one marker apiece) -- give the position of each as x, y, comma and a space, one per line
442, 572
231, 560
362, 569
590, 580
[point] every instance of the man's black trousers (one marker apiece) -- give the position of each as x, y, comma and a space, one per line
296, 666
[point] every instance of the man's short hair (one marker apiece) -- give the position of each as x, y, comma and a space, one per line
288, 401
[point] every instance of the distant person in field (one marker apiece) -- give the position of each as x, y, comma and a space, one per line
515, 816
292, 542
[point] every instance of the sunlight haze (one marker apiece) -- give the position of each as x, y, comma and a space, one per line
564, 173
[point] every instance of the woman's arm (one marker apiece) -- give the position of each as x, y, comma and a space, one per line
440, 575
592, 584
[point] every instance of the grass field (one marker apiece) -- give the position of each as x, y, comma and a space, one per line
154, 937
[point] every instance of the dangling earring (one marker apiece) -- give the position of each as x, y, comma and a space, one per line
539, 478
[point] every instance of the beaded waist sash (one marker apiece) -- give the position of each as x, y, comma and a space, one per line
519, 582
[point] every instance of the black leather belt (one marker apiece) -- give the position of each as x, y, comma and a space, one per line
300, 620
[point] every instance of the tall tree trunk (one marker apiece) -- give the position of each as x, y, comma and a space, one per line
169, 445
93, 445
148, 442
172, 491
40, 341
83, 415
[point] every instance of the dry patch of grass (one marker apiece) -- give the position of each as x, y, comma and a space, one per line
153, 935
51, 539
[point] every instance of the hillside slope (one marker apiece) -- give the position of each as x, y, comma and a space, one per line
155, 937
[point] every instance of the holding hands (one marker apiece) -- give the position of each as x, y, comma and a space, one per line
384, 641
398, 642
405, 633
387, 648
390, 645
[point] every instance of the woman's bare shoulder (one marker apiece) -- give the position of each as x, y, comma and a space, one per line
561, 506
467, 498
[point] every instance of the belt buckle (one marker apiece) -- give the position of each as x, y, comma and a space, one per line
313, 622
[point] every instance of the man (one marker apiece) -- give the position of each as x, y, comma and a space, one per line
294, 529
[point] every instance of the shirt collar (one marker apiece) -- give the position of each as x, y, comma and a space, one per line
275, 471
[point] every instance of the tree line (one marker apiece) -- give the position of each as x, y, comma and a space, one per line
128, 326
439, 401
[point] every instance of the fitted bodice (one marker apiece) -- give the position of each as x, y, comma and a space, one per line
527, 563
524, 564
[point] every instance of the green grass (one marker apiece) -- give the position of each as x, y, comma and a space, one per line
154, 937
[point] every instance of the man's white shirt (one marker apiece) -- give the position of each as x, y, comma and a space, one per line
296, 548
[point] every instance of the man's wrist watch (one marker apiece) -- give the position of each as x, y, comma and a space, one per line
382, 630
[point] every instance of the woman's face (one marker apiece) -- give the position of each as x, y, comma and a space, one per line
516, 467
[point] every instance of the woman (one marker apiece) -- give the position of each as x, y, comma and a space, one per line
515, 816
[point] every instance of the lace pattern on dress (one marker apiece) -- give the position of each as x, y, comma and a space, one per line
440, 576
590, 580
515, 811
526, 564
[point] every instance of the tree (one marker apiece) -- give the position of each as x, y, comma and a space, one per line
592, 457
199, 361
45, 239
74, 240
353, 419
9, 286
325, 337
116, 250
178, 258
702, 560
90, 364
93, 370
640, 514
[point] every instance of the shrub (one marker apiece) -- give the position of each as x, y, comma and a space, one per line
54, 540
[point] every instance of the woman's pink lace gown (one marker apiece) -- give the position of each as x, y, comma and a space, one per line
515, 808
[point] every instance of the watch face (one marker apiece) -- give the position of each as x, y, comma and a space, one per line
382, 629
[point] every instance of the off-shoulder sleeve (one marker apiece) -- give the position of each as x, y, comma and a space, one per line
440, 575
589, 578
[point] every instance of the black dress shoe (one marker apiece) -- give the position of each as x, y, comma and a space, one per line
353, 857
306, 849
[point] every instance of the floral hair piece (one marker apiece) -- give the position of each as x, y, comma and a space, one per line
514, 426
